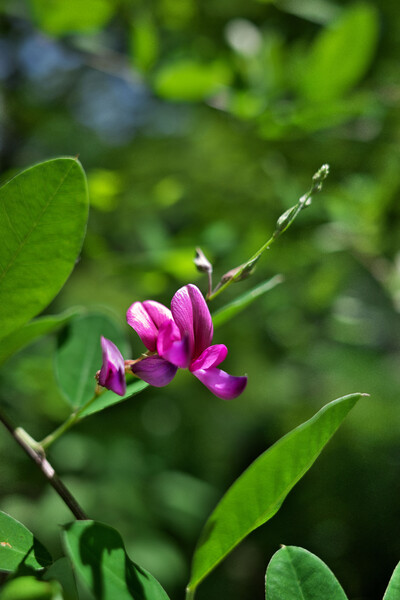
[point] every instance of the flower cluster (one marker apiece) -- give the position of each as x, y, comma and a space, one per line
179, 337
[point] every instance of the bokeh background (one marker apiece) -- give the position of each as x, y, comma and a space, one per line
198, 124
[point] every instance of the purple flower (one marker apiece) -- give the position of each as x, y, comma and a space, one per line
112, 372
181, 337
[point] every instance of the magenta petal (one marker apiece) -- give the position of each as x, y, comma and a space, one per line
221, 384
112, 372
171, 347
211, 357
154, 370
146, 318
191, 314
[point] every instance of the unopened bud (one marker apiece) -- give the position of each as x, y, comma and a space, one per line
284, 220
202, 263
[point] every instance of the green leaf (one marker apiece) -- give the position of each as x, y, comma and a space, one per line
100, 559
191, 80
61, 571
79, 355
19, 547
341, 54
144, 43
29, 588
74, 16
295, 573
226, 313
258, 493
393, 589
31, 331
109, 398
43, 214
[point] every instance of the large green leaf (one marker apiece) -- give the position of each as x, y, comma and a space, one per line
341, 54
43, 214
19, 547
295, 573
79, 356
227, 312
100, 559
31, 331
259, 492
393, 589
109, 398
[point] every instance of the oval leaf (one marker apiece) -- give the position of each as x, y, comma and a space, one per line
29, 588
60, 18
79, 356
109, 398
31, 331
295, 573
341, 54
19, 547
43, 214
393, 589
258, 493
99, 557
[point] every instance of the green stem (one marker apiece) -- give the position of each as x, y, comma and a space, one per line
190, 593
282, 225
68, 423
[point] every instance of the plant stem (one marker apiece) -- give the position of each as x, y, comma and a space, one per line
283, 223
36, 453
69, 422
190, 592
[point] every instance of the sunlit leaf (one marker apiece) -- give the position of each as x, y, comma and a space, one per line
29, 588
19, 547
59, 18
224, 314
295, 573
43, 213
191, 80
393, 589
144, 42
79, 355
258, 493
31, 331
100, 559
110, 398
341, 54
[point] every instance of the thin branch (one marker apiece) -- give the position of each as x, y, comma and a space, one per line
36, 453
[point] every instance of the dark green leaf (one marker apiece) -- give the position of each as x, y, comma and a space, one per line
224, 314
79, 355
43, 214
341, 54
19, 547
109, 398
393, 589
258, 493
100, 559
61, 571
29, 332
295, 573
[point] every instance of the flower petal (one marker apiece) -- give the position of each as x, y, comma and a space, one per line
146, 318
112, 372
172, 347
191, 314
154, 370
210, 357
221, 384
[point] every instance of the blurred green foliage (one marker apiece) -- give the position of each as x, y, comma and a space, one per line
198, 125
